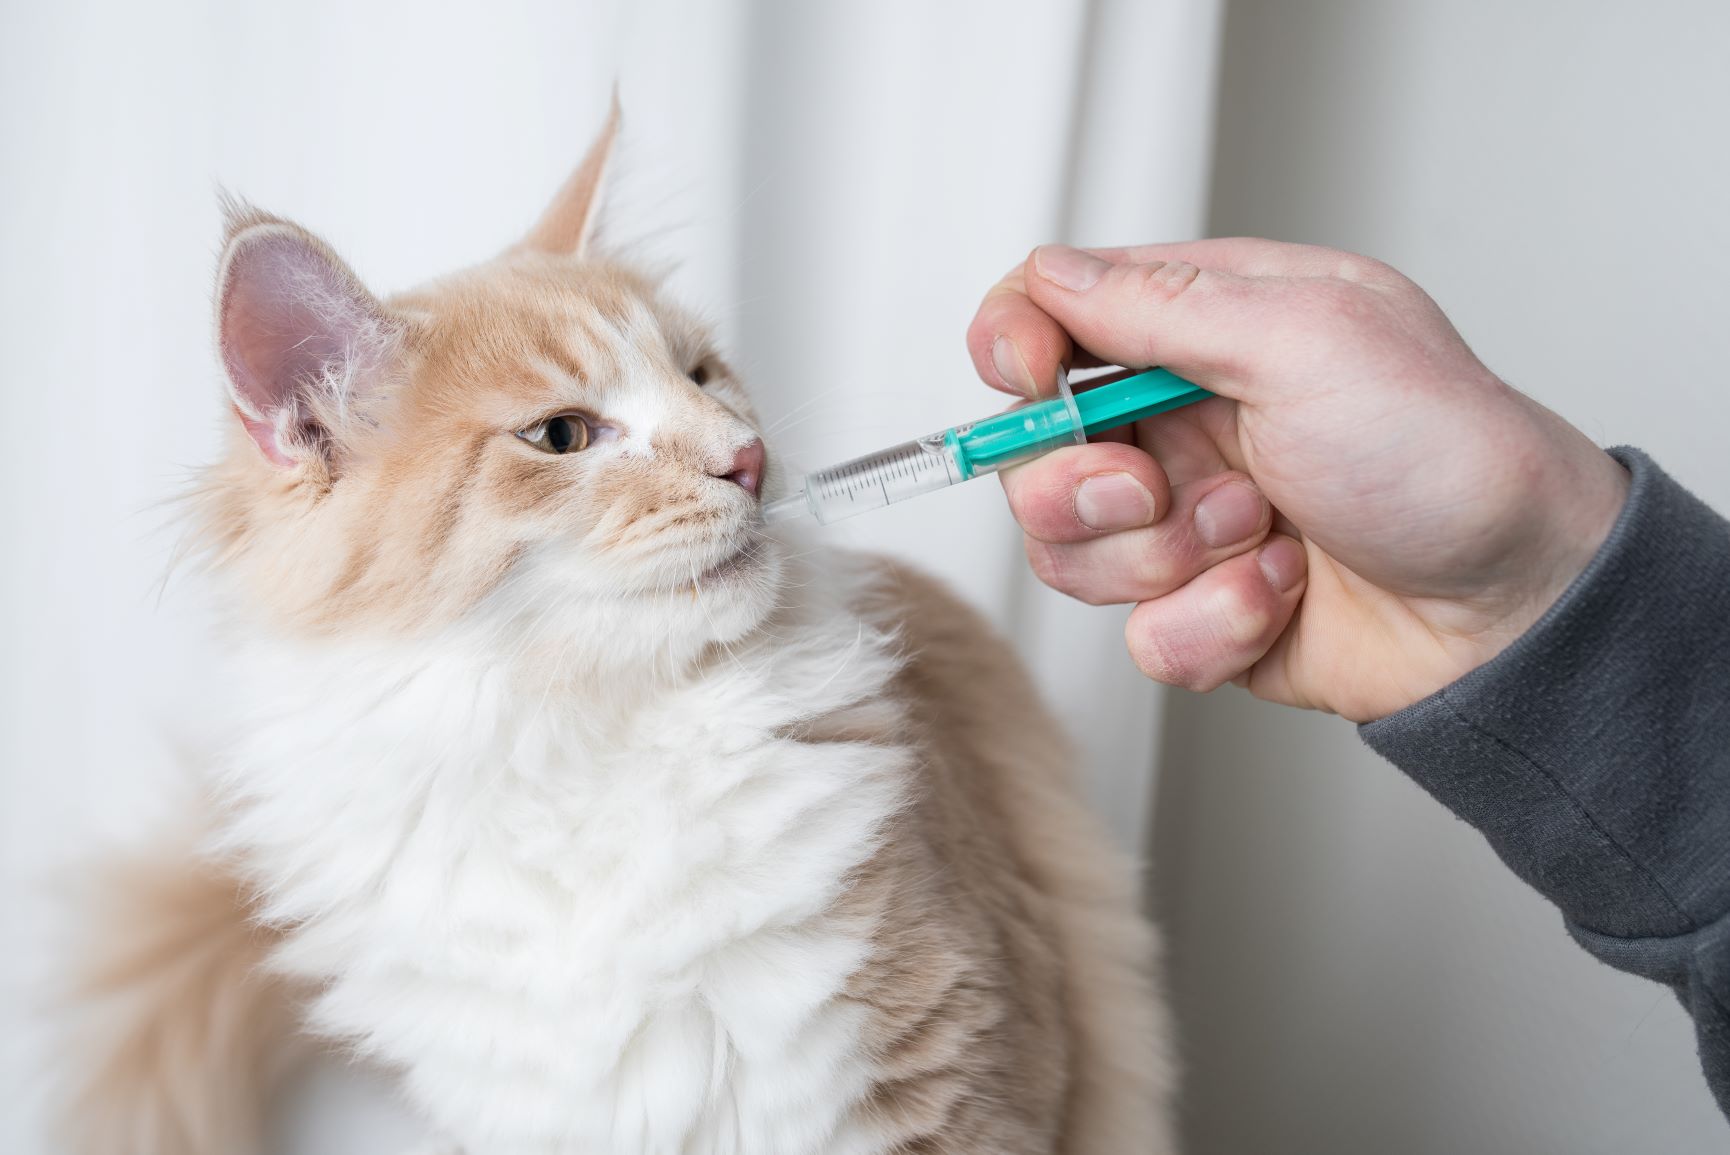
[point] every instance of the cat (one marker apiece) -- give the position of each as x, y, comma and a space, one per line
604, 817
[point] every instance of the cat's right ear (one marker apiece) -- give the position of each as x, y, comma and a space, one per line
303, 342
568, 224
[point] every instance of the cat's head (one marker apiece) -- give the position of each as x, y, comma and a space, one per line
540, 446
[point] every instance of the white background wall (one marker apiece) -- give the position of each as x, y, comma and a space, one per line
1356, 972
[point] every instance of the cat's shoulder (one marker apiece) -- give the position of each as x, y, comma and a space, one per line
948, 647
903, 598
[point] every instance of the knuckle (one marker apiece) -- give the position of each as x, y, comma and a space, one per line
1155, 286
1215, 642
1056, 566
1381, 274
1046, 562
1161, 282
1166, 557
1241, 613
1355, 267
1339, 307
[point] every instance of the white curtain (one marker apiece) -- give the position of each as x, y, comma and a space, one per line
839, 182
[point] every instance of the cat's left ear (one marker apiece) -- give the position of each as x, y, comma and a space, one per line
568, 223
305, 345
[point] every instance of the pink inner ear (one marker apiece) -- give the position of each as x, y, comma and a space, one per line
291, 318
263, 435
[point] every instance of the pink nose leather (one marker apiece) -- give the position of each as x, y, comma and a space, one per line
746, 471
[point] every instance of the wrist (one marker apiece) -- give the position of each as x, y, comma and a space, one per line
1556, 520
1576, 507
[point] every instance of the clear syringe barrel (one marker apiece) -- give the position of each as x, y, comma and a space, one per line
876, 480
952, 456
934, 462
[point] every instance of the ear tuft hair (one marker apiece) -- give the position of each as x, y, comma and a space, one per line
568, 223
240, 214
301, 338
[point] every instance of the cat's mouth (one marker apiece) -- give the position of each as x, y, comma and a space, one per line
735, 564
742, 559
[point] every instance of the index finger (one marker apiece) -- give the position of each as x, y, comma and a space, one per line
1015, 345
1246, 257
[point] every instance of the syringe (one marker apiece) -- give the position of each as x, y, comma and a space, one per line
954, 455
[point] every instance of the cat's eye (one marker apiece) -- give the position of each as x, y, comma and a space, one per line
566, 433
699, 374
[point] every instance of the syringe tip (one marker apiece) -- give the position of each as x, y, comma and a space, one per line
786, 508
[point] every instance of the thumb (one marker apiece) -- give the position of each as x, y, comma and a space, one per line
1201, 323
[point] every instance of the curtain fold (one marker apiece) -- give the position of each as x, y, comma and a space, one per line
898, 160
1141, 152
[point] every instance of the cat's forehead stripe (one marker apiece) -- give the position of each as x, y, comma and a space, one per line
558, 361
597, 338
607, 341
560, 374
629, 325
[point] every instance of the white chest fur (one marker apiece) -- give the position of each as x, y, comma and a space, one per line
576, 927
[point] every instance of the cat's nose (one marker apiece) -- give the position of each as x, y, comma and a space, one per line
746, 469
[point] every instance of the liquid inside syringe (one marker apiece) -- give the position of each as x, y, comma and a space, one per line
958, 454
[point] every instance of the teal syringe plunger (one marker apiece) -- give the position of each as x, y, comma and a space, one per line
952, 456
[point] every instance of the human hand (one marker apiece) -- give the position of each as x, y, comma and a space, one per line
1364, 514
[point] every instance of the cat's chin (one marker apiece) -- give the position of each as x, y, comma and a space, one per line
745, 562
731, 597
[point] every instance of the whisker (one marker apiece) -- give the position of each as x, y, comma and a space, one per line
821, 395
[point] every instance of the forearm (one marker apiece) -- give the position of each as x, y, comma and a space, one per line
1594, 753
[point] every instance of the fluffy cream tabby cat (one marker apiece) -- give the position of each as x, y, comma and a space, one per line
604, 817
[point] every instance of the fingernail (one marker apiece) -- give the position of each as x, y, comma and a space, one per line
1229, 514
1075, 270
1282, 563
1113, 501
1006, 358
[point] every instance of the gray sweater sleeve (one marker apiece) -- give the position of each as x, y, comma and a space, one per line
1594, 753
